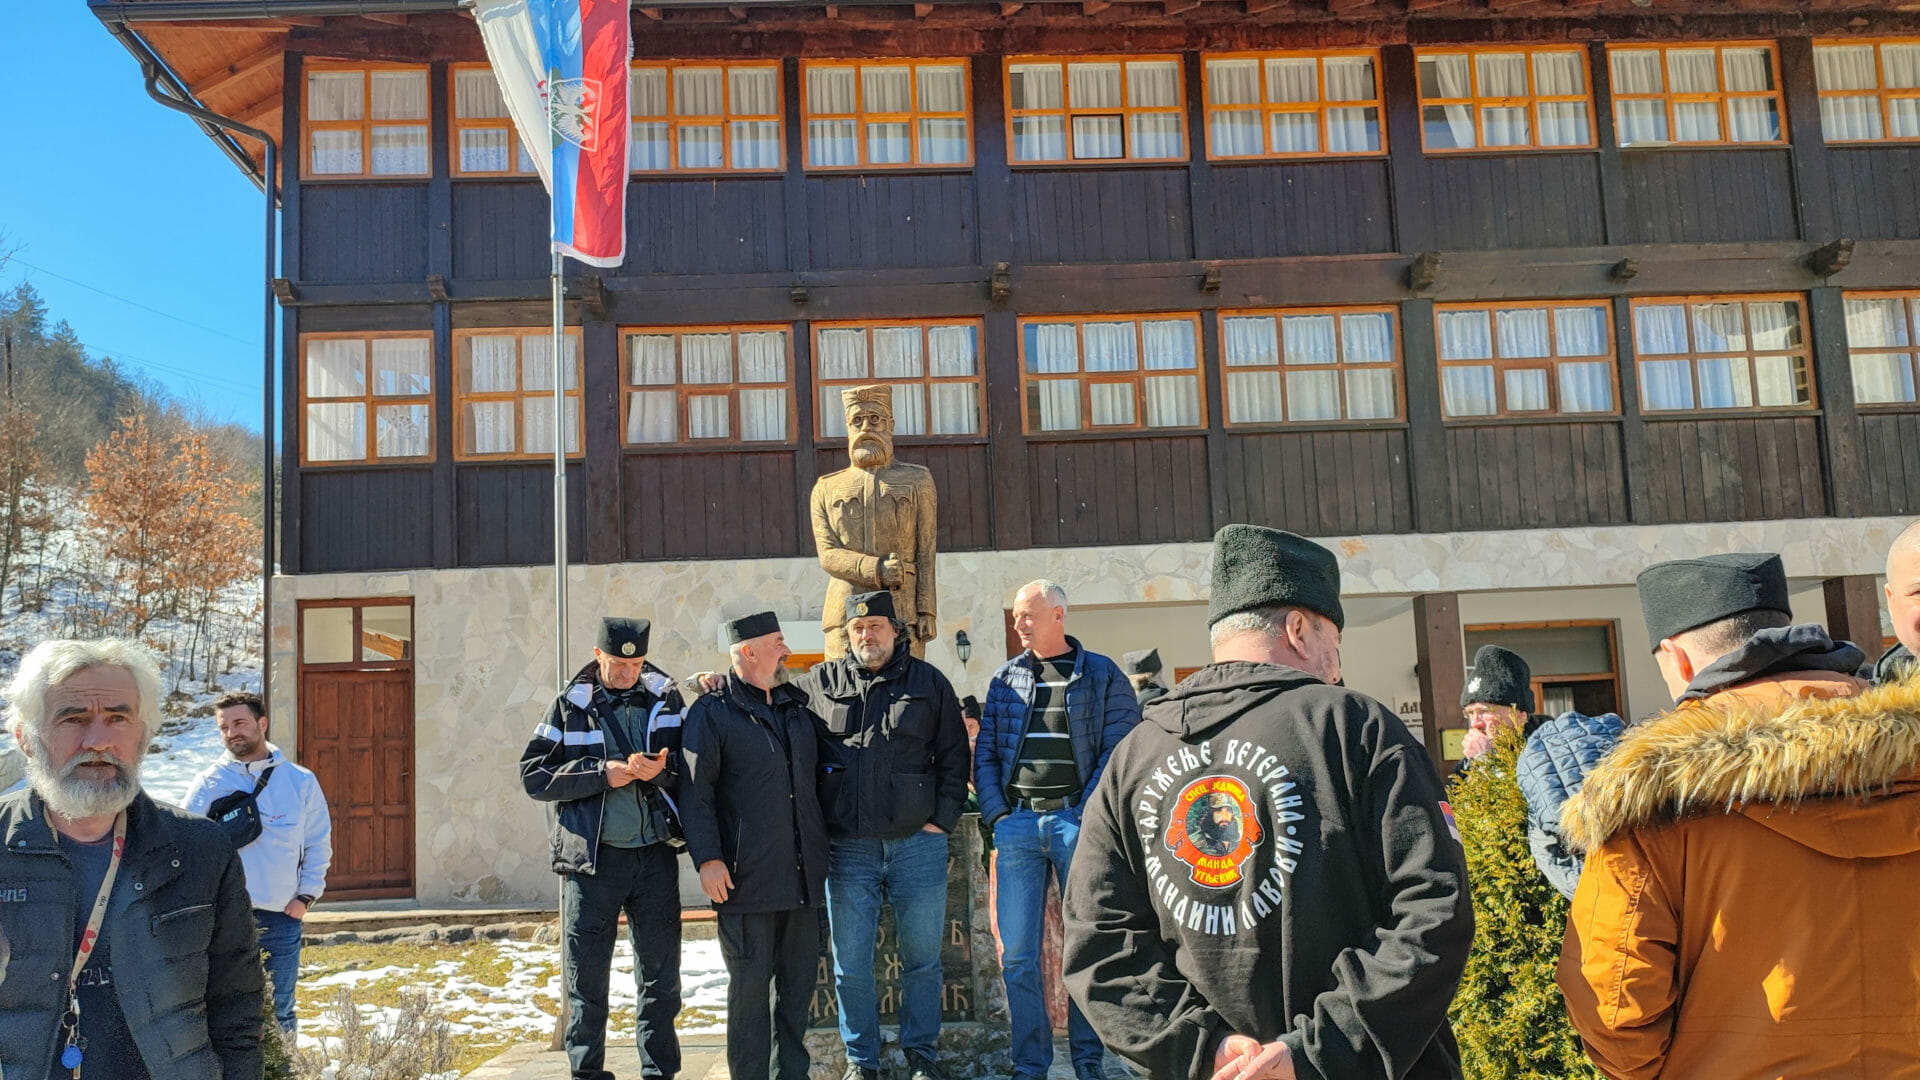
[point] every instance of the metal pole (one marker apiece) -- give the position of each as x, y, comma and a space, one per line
560, 581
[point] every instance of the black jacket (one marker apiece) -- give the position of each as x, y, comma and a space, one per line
179, 927
565, 763
749, 796
893, 750
1331, 911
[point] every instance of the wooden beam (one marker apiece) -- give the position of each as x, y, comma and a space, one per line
389, 19
921, 11
266, 106
654, 12
1007, 9
1341, 7
1175, 7
739, 13
1853, 612
230, 26
1255, 7
1094, 7
238, 70
1440, 653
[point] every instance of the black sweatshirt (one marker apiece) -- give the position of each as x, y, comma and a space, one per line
1270, 856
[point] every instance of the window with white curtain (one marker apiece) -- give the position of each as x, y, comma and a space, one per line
484, 142
1869, 91
933, 366
1883, 338
1696, 93
704, 116
717, 384
1721, 352
503, 393
366, 398
1105, 109
1293, 104
1310, 366
885, 113
1525, 360
1504, 98
366, 121
1107, 372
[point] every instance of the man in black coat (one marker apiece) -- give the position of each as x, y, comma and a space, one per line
1143, 671
605, 759
1328, 938
167, 984
755, 831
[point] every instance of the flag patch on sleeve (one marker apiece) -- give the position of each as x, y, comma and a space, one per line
1446, 811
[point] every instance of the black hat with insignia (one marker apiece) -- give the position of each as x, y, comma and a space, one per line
1686, 594
1499, 677
622, 637
864, 604
1256, 567
748, 627
1141, 662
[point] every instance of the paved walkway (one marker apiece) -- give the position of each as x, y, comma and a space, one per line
702, 1057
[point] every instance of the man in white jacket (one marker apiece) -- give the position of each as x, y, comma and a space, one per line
287, 866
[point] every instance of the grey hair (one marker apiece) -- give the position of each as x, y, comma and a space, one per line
735, 652
51, 663
1270, 623
1055, 594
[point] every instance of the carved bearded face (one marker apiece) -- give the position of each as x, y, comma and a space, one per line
869, 435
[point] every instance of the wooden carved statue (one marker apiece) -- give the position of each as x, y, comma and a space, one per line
874, 524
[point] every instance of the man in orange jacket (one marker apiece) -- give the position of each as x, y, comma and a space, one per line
1746, 906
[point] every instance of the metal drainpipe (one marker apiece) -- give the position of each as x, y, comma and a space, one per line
228, 10
152, 67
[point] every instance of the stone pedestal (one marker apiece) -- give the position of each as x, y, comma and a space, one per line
973, 1031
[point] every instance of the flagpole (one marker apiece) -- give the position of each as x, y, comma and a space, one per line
560, 581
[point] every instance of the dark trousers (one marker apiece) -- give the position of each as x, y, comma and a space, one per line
777, 951
644, 883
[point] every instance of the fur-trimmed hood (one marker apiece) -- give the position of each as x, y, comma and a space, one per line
1742, 754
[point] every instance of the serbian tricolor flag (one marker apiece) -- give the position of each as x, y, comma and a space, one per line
562, 69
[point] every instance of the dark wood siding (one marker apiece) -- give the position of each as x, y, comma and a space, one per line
1139, 490
1515, 200
1101, 215
1876, 191
961, 483
1533, 476
1892, 444
705, 227
1321, 483
1745, 469
888, 220
506, 513
365, 519
500, 230
713, 506
363, 233
1708, 196
1310, 208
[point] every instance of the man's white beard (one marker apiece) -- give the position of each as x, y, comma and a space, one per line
869, 453
76, 797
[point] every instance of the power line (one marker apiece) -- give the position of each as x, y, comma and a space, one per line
131, 303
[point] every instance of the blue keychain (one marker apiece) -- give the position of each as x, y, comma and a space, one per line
70, 1058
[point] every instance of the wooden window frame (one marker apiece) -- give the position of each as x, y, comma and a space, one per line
1067, 112
1397, 365
356, 603
724, 119
1137, 377
456, 125
1478, 103
1693, 356
1719, 98
1318, 108
928, 380
1910, 311
1537, 683
682, 390
370, 400
861, 117
462, 396
364, 125
1551, 362
1880, 92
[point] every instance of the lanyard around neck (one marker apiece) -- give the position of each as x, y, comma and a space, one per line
94, 921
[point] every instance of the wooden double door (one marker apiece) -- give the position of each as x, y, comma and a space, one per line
356, 734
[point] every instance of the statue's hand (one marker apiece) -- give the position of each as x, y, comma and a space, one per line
894, 571
923, 628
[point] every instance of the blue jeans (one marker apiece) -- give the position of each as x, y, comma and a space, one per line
1027, 847
912, 872
280, 935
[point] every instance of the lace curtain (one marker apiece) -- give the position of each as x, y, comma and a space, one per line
1037, 86
1253, 397
1053, 404
1585, 386
651, 414
1466, 390
1155, 84
888, 90
647, 100
1561, 74
1502, 75
1447, 126
1880, 378
399, 149
1350, 128
1638, 71
1657, 330
832, 141
942, 89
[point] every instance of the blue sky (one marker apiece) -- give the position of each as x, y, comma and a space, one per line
101, 186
